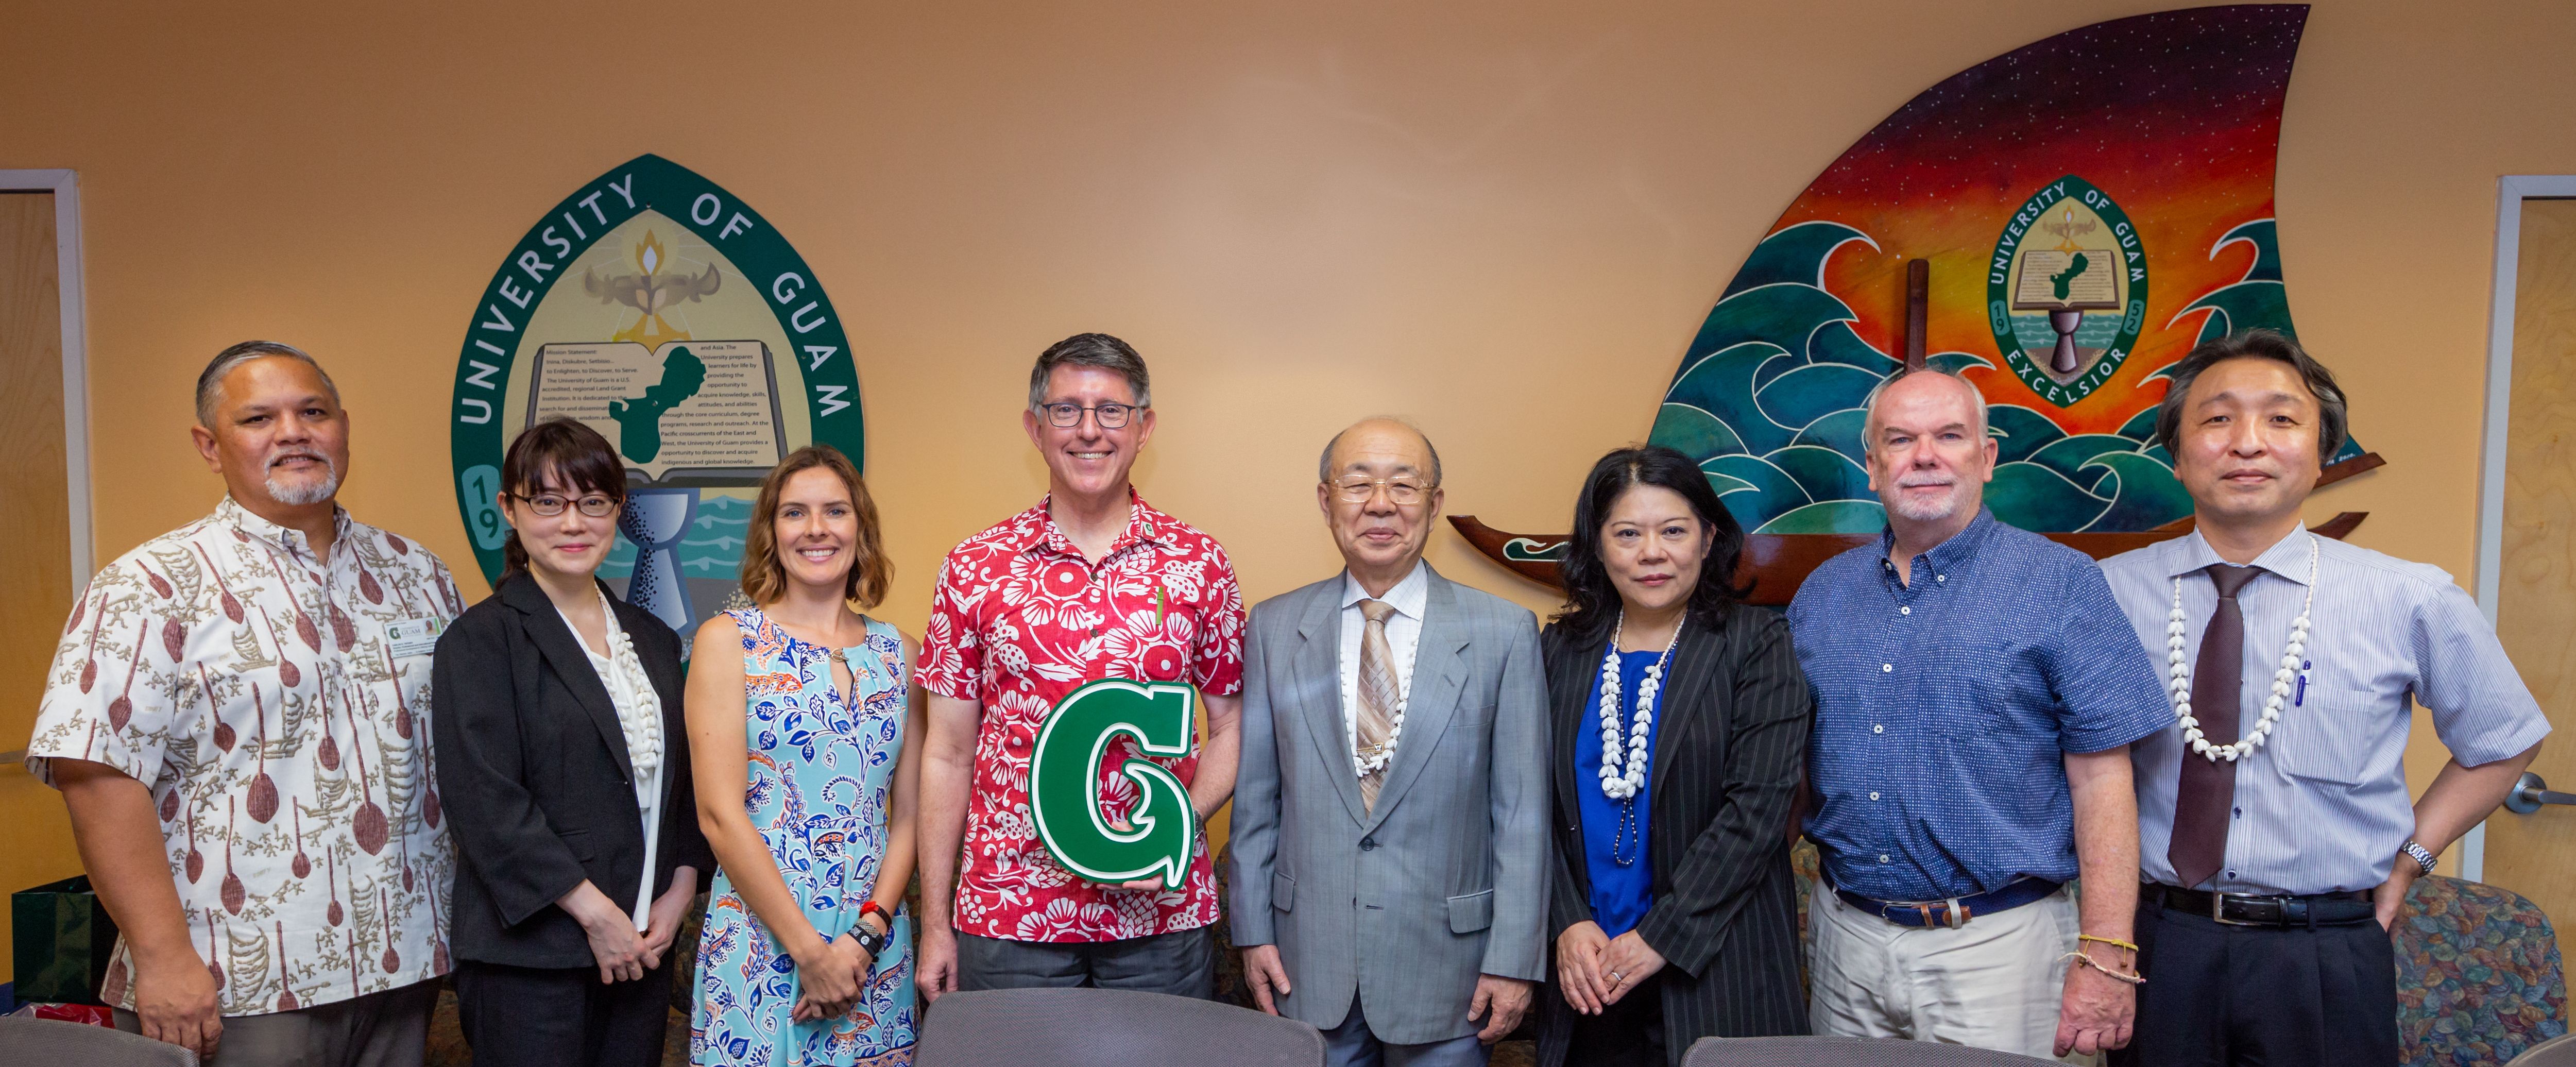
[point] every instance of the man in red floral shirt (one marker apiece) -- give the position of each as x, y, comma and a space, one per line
1091, 583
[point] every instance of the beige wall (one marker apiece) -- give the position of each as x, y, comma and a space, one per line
1504, 220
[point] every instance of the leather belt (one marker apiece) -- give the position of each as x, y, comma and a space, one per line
1954, 912
2237, 909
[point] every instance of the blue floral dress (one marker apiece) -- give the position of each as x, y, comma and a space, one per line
820, 773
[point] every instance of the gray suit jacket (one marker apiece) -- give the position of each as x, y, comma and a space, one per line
1401, 907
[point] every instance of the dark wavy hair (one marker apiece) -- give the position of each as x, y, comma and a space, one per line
1591, 602
576, 459
2334, 420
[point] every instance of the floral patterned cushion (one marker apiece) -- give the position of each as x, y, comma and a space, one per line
2478, 976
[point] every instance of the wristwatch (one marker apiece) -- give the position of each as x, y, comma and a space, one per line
2422, 856
870, 940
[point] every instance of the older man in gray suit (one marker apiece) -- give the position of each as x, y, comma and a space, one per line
1389, 836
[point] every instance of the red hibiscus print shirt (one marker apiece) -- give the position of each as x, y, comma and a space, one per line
1019, 620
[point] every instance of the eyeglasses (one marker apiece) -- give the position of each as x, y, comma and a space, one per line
1110, 416
1404, 492
550, 505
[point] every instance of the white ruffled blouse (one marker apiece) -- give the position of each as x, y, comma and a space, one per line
639, 715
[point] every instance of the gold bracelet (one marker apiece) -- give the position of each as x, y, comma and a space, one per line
2111, 941
2132, 979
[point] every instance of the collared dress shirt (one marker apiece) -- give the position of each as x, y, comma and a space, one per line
1020, 619
1945, 708
277, 706
2323, 806
1403, 639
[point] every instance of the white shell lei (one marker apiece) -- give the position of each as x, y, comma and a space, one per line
1394, 733
1619, 783
2291, 657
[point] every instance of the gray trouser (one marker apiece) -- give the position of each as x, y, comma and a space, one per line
1181, 963
388, 1029
1352, 1044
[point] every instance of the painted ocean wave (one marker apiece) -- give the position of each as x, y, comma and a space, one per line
1769, 403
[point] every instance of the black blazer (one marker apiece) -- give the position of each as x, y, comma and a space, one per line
533, 768
1728, 755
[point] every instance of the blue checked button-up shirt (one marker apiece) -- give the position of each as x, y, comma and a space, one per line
1945, 708
2323, 806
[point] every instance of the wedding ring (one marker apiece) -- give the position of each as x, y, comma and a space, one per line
1616, 976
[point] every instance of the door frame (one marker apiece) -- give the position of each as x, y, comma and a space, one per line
65, 186
2511, 191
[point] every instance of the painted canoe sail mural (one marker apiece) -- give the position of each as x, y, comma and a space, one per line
2091, 207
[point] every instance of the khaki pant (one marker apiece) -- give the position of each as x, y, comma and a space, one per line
388, 1029
1996, 983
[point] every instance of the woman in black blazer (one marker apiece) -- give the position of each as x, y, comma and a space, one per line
563, 761
1672, 904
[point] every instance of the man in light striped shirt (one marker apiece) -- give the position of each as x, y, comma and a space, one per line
2276, 839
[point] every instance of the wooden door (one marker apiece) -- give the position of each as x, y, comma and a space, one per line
2535, 855
35, 535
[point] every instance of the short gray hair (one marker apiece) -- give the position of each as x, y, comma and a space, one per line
1324, 463
1869, 404
210, 383
1091, 350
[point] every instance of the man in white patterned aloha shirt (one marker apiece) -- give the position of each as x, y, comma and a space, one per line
237, 719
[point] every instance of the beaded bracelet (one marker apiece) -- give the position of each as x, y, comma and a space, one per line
2132, 979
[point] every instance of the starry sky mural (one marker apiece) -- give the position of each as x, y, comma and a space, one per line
2176, 114
2167, 123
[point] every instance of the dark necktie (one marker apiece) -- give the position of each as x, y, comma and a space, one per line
2208, 790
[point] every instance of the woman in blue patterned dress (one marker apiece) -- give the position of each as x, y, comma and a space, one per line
806, 789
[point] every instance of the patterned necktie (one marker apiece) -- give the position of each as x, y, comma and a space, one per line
1378, 695
2208, 789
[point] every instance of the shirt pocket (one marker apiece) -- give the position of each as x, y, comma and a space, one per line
2334, 738
1162, 633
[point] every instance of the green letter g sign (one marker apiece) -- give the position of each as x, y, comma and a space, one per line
1064, 783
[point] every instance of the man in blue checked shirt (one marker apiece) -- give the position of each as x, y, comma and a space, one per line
2279, 841
1977, 690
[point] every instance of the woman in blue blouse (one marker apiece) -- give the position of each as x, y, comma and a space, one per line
1680, 720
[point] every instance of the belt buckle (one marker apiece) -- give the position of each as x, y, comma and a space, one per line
2218, 912
1951, 914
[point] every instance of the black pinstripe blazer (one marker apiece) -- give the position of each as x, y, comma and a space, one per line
1728, 755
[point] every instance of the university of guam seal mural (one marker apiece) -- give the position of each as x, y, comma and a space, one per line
2066, 292
665, 313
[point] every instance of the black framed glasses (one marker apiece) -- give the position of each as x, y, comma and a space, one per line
595, 505
1065, 414
1404, 492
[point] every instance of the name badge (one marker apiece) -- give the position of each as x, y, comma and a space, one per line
413, 637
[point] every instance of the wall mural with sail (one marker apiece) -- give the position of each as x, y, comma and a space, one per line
2090, 207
